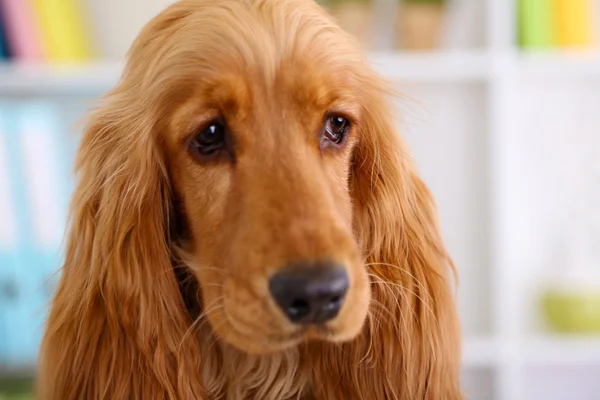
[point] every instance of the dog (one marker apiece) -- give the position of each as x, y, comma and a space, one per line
248, 224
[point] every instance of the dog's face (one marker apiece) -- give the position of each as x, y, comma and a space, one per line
259, 149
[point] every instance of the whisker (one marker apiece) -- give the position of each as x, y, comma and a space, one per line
417, 281
212, 284
403, 293
383, 308
215, 337
209, 308
207, 268
171, 269
402, 317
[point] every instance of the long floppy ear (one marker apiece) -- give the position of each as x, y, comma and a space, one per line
410, 348
118, 319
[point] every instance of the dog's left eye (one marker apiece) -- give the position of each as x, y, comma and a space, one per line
336, 128
209, 140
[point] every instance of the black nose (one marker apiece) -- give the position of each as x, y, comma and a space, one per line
310, 293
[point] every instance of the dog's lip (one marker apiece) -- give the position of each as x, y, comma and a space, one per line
239, 328
302, 333
318, 332
305, 334
292, 336
270, 342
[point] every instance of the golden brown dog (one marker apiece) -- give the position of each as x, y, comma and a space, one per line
248, 225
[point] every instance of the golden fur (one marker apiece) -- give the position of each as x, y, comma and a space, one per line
163, 292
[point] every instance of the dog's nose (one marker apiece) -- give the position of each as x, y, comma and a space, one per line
310, 293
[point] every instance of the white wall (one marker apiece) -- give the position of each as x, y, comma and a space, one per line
115, 23
445, 128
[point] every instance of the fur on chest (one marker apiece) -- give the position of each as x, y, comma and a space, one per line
229, 374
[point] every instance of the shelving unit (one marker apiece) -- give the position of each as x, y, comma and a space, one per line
58, 80
439, 67
561, 351
448, 66
481, 119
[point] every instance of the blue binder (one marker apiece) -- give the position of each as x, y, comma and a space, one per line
37, 158
9, 289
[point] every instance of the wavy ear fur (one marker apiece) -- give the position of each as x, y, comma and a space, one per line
410, 348
118, 320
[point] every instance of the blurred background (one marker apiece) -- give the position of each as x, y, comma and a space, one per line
500, 105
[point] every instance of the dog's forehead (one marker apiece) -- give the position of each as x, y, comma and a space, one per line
257, 37
247, 57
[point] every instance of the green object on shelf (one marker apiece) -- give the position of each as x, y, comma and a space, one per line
536, 24
572, 312
16, 388
26, 396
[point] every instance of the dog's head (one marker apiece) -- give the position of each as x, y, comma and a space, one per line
244, 184
250, 144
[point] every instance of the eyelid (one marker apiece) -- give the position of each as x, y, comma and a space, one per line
200, 123
344, 112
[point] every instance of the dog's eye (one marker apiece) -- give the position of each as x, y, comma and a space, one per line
336, 128
209, 140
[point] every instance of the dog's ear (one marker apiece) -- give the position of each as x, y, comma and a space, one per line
410, 347
118, 308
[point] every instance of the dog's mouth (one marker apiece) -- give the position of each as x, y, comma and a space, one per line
258, 328
262, 337
286, 311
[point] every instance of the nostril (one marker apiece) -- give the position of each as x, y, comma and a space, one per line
334, 303
310, 293
299, 309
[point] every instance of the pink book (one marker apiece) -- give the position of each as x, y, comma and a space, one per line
22, 33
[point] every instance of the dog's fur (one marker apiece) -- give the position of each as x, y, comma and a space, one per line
163, 293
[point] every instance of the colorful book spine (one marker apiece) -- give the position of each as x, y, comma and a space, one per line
536, 20
3, 40
575, 23
22, 32
63, 30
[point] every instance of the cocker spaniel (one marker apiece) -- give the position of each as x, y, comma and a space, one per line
247, 224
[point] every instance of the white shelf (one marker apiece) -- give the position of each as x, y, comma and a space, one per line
562, 351
480, 352
559, 64
426, 67
440, 66
95, 78
41, 79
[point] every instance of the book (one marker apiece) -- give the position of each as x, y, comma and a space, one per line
575, 23
3, 44
8, 234
537, 24
41, 142
22, 33
36, 196
63, 30
16, 271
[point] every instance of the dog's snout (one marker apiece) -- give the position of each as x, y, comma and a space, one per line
310, 293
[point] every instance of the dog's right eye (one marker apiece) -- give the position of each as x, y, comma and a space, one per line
210, 140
